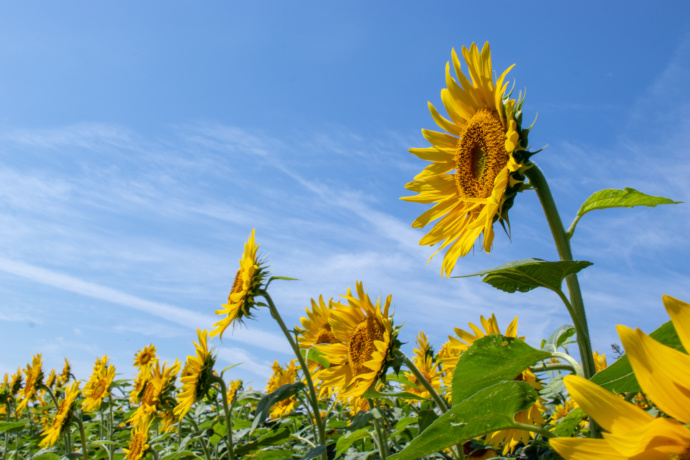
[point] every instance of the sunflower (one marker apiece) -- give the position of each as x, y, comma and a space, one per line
158, 390
477, 163
196, 376
62, 418
279, 378
599, 361
316, 329
145, 356
233, 388
98, 386
366, 343
34, 379
663, 373
428, 366
247, 284
16, 382
63, 380
138, 446
456, 346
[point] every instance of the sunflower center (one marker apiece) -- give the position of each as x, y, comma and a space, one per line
150, 395
237, 284
480, 154
325, 335
145, 358
98, 389
361, 346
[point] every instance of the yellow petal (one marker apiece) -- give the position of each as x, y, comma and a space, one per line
679, 312
663, 373
584, 449
609, 411
661, 438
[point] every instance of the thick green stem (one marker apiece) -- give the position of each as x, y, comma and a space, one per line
201, 436
84, 450
382, 444
305, 370
538, 181
577, 310
228, 415
440, 403
110, 426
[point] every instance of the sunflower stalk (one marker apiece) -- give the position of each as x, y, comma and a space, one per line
228, 418
380, 440
575, 306
313, 399
440, 403
82, 432
201, 437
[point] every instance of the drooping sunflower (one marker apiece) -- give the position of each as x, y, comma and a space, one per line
279, 378
138, 443
425, 361
247, 284
366, 344
34, 379
631, 432
196, 376
146, 356
476, 164
63, 416
98, 386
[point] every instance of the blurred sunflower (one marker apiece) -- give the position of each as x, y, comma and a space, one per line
158, 391
137, 446
63, 380
279, 378
62, 418
16, 383
247, 284
631, 432
34, 379
366, 343
477, 163
233, 388
98, 386
196, 376
426, 363
52, 378
599, 361
145, 356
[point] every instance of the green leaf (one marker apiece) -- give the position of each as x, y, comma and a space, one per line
312, 354
265, 404
568, 424
558, 338
272, 438
627, 198
314, 452
619, 377
426, 418
46, 456
527, 274
12, 427
489, 410
490, 360
346, 441
274, 454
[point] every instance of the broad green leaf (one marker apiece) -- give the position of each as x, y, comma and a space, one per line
489, 410
567, 425
265, 404
272, 438
619, 377
312, 354
426, 418
527, 274
346, 441
275, 454
558, 338
627, 198
490, 360
314, 452
46, 456
12, 427
362, 419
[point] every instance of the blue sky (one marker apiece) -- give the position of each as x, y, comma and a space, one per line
140, 142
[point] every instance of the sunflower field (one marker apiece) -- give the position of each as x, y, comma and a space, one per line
350, 392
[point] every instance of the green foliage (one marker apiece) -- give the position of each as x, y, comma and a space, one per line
264, 406
619, 377
490, 360
527, 274
490, 409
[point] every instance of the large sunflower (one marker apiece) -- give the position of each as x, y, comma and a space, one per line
366, 342
98, 386
247, 284
476, 163
631, 432
62, 418
196, 376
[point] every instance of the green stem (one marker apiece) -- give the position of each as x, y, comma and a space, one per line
110, 426
200, 435
383, 448
305, 370
154, 454
547, 367
535, 429
440, 403
84, 450
228, 417
577, 310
